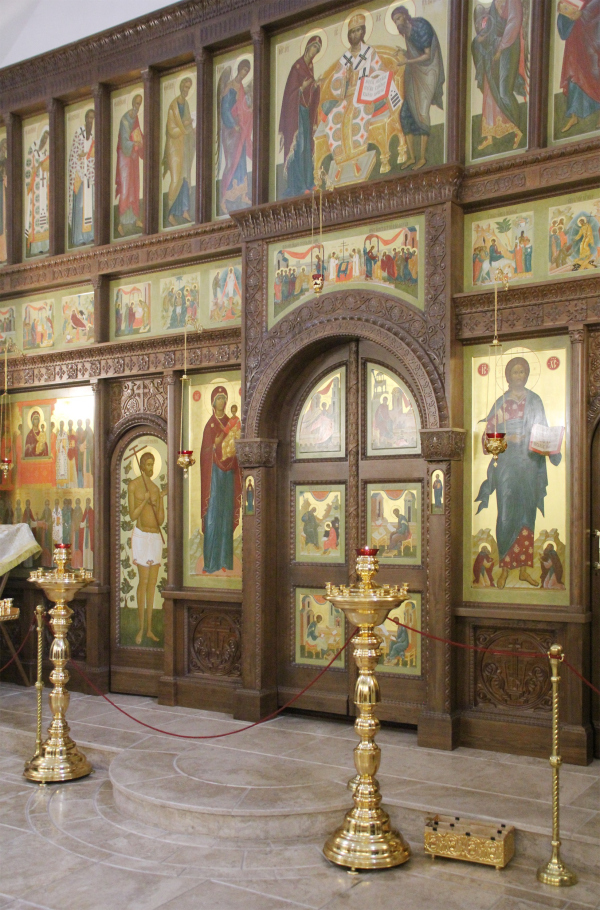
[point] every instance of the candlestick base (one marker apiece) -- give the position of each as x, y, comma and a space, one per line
556, 873
59, 760
366, 839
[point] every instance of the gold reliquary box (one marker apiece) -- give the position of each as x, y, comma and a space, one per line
476, 842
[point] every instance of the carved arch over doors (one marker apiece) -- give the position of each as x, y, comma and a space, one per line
285, 353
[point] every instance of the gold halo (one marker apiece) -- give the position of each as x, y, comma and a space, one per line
153, 451
249, 57
368, 25
532, 359
40, 411
410, 7
311, 34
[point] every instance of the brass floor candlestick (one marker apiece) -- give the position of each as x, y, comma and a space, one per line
555, 872
366, 839
58, 759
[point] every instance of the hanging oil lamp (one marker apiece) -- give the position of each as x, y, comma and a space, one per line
185, 456
495, 442
5, 460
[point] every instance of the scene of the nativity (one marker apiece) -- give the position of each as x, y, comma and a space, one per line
299, 455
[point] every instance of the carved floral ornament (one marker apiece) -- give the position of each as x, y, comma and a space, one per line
443, 444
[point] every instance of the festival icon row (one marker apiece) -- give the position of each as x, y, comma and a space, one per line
393, 523
556, 237
205, 295
319, 633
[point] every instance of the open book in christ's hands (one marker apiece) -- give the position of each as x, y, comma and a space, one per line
546, 440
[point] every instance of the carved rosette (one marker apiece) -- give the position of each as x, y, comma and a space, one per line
215, 642
513, 679
256, 453
443, 444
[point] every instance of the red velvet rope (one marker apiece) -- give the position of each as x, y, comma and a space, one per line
230, 732
23, 643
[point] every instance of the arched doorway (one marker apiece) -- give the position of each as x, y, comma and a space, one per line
138, 559
349, 472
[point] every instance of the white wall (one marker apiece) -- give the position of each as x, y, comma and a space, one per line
31, 27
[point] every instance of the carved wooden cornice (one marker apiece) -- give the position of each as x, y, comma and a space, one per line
379, 199
538, 170
256, 453
445, 444
152, 355
141, 254
552, 305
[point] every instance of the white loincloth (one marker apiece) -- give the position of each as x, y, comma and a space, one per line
147, 548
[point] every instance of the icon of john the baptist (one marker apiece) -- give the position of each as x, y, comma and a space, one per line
521, 478
220, 488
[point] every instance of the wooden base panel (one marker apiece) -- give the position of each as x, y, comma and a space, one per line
438, 731
526, 739
254, 704
206, 694
127, 680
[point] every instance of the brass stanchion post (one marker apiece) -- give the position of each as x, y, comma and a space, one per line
555, 872
39, 684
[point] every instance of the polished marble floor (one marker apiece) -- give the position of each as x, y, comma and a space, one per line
72, 847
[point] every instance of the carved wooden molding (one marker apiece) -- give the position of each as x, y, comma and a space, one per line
256, 453
542, 168
151, 422
554, 304
141, 254
379, 198
153, 355
443, 444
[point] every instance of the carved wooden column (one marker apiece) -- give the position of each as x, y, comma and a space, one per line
151, 149
443, 449
56, 202
204, 136
260, 136
103, 194
541, 23
98, 596
579, 470
167, 691
101, 285
258, 695
14, 188
456, 81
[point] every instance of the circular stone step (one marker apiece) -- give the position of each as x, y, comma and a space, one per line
228, 792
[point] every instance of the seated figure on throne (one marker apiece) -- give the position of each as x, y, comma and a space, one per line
359, 102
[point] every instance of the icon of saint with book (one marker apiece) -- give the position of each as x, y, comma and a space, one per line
520, 479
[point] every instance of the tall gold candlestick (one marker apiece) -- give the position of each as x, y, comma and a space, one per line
366, 839
555, 872
58, 759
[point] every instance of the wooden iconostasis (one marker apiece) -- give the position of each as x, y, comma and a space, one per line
178, 184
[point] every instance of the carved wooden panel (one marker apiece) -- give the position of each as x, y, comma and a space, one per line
513, 679
138, 396
214, 641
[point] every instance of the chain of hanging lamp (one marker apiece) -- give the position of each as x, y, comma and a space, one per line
185, 455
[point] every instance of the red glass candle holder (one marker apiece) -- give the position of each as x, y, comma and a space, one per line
367, 551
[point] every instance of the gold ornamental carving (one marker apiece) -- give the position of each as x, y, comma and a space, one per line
473, 841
